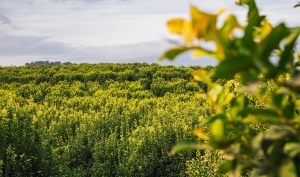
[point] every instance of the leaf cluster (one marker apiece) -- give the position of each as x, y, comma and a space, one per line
263, 53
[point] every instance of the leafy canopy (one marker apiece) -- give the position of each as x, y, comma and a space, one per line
263, 53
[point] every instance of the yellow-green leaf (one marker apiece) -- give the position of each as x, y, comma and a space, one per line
229, 25
218, 129
181, 27
214, 93
201, 76
292, 149
287, 168
263, 31
204, 24
199, 52
201, 134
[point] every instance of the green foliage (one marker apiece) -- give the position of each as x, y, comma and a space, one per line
247, 58
97, 120
205, 163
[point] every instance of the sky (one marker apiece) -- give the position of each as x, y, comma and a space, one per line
113, 31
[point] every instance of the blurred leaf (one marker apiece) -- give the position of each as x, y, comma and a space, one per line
262, 115
287, 169
297, 5
199, 52
201, 134
211, 119
181, 27
287, 58
229, 97
295, 82
229, 25
288, 111
172, 53
250, 76
292, 149
218, 129
263, 31
271, 42
202, 76
225, 167
279, 100
258, 172
253, 11
292, 36
184, 146
204, 24
238, 104
224, 36
222, 10
275, 152
228, 68
254, 21
277, 133
257, 140
214, 92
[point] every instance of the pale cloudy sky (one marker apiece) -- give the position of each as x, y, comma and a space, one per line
111, 31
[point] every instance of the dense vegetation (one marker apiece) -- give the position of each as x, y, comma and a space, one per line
123, 119
98, 120
262, 53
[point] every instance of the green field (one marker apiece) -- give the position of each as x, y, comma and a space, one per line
100, 120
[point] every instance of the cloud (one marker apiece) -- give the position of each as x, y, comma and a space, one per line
18, 50
4, 19
106, 30
29, 45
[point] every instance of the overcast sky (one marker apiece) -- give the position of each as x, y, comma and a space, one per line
94, 31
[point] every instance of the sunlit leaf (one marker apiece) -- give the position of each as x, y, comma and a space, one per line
181, 27
287, 169
229, 97
263, 31
229, 25
201, 53
201, 134
214, 93
222, 10
292, 149
218, 129
204, 24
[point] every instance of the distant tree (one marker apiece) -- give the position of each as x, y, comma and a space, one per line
37, 63
67, 63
